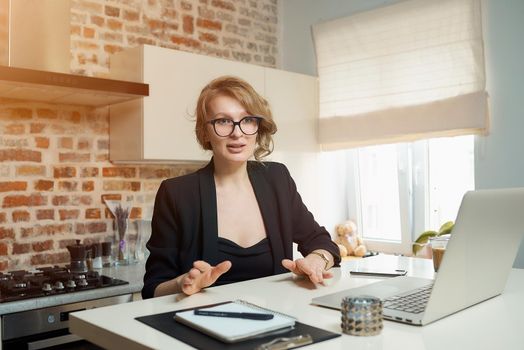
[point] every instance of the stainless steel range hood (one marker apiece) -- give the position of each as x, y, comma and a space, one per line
35, 58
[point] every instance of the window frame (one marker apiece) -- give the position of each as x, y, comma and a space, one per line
354, 202
414, 195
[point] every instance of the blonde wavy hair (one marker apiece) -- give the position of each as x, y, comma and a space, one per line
253, 103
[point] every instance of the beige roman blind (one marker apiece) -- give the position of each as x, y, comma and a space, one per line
402, 72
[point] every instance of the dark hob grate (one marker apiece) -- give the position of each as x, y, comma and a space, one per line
48, 281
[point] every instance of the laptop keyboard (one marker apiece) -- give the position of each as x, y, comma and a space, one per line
415, 301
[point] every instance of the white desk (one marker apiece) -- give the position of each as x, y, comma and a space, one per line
497, 323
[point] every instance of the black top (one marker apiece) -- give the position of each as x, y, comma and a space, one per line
246, 263
185, 228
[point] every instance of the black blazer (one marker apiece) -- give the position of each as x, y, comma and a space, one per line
184, 225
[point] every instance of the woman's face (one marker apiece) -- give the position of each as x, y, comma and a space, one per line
236, 147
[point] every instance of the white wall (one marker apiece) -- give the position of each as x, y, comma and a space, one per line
499, 161
498, 157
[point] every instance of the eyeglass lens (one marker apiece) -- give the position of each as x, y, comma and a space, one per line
225, 127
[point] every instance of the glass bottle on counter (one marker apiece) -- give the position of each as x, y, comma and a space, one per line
107, 254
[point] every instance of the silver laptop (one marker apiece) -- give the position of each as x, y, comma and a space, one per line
478, 260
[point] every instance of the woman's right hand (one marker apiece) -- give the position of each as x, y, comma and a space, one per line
202, 275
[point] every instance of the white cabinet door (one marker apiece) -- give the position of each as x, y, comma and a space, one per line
166, 118
161, 127
293, 99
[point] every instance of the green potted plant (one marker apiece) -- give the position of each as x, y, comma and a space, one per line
422, 240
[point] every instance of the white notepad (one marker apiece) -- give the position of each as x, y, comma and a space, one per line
229, 329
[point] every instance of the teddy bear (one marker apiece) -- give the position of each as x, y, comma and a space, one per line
348, 240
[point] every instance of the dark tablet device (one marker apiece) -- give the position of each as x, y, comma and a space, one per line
379, 272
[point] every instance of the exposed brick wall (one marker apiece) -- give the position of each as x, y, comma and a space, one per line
54, 174
54, 159
243, 30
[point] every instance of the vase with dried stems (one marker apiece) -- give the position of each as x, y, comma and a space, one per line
121, 221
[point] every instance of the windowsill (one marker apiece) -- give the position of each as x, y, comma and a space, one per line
350, 258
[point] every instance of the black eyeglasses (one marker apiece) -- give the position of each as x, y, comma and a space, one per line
224, 127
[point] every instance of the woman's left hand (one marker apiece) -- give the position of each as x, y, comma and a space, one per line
310, 266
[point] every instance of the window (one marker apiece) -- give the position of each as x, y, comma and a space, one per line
451, 174
398, 191
398, 84
379, 192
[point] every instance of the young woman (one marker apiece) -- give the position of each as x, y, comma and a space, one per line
236, 218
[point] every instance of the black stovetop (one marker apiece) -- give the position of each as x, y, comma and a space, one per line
48, 281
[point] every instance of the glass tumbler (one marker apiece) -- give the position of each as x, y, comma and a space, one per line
361, 315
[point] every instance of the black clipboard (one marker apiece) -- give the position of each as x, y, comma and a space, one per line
165, 323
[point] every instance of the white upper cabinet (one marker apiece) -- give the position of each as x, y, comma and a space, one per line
161, 127
293, 99
294, 102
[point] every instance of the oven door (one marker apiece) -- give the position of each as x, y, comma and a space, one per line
47, 327
61, 339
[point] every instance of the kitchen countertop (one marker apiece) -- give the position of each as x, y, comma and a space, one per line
130, 273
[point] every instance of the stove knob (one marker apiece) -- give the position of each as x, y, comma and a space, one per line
59, 285
82, 283
70, 284
47, 287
